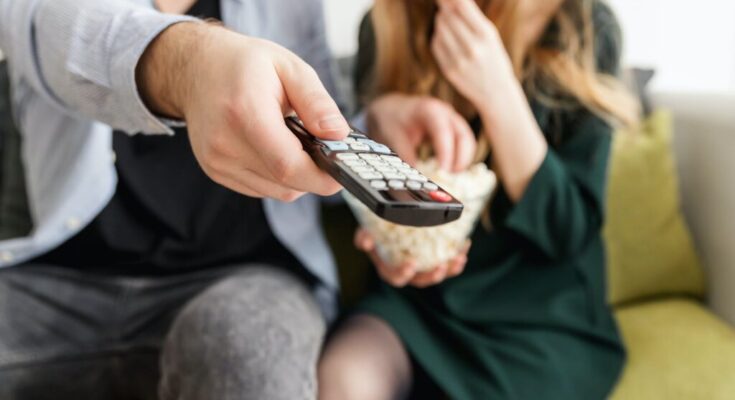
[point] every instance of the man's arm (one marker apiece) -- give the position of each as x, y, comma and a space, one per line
82, 55
232, 90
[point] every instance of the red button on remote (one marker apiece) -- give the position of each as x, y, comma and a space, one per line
442, 197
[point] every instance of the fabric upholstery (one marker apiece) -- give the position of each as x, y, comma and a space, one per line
650, 250
677, 350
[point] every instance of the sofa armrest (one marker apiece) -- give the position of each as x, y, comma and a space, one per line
704, 144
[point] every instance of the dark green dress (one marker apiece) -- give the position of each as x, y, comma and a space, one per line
528, 317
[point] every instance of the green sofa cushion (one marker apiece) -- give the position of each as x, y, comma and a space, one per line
650, 250
677, 350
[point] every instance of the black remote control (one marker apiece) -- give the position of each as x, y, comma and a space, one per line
377, 177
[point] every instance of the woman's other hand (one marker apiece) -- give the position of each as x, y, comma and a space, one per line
406, 274
471, 55
470, 52
405, 122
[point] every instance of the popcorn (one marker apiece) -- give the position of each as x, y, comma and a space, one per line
431, 246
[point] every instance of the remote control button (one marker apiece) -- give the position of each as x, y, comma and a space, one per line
380, 185
392, 176
357, 134
386, 169
396, 184
369, 156
347, 156
355, 163
369, 176
409, 171
350, 140
366, 141
392, 159
414, 185
380, 148
363, 169
419, 178
335, 145
431, 186
359, 147
442, 197
377, 163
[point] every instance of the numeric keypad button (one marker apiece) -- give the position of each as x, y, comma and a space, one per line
335, 145
430, 186
394, 176
379, 184
347, 156
369, 176
359, 147
396, 184
419, 178
414, 185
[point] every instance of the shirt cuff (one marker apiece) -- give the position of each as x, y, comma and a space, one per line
148, 26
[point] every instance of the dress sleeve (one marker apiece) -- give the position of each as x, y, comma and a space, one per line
562, 209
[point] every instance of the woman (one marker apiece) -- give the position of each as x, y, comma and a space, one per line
527, 319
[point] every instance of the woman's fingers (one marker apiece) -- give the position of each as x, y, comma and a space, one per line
443, 32
456, 266
438, 124
469, 11
401, 275
442, 54
430, 278
465, 144
457, 28
364, 240
397, 276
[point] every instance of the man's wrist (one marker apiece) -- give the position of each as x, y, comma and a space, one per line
165, 72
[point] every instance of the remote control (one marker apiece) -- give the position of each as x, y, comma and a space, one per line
377, 177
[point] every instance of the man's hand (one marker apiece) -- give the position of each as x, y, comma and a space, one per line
406, 274
233, 92
405, 122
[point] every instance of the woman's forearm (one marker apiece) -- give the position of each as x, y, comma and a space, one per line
517, 142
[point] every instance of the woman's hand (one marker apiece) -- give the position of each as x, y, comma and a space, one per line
404, 122
471, 55
470, 52
406, 274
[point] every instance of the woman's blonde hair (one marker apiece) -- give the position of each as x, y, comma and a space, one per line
560, 69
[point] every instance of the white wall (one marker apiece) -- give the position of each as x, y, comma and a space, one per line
343, 20
690, 44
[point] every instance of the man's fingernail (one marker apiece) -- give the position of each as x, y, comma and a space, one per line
333, 123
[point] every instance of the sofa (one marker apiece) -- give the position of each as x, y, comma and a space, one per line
681, 345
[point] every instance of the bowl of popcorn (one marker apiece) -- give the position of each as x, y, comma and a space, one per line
428, 247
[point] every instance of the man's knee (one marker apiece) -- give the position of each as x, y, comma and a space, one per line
250, 333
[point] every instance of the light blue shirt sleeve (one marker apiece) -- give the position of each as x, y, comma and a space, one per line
81, 56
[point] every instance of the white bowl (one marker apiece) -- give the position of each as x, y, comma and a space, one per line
428, 247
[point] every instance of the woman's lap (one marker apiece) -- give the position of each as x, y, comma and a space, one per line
499, 361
